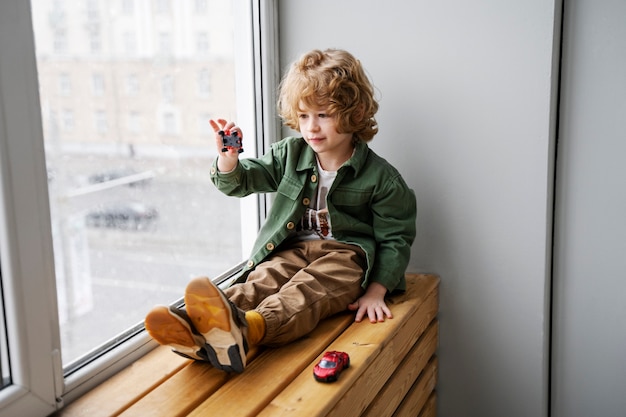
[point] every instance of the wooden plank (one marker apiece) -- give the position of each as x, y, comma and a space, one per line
396, 388
417, 396
273, 371
181, 393
430, 408
127, 386
363, 341
380, 369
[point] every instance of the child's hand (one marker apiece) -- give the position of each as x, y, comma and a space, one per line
227, 160
372, 303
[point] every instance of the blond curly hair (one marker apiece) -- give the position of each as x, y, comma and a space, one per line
334, 80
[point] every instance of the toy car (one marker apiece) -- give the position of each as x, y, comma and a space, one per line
331, 365
231, 141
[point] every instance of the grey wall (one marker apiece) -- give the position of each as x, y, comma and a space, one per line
589, 360
466, 95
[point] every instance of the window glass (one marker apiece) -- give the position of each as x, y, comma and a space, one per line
126, 89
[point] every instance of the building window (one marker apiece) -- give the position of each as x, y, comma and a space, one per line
91, 10
165, 44
130, 43
134, 122
167, 88
200, 6
169, 123
67, 120
100, 121
132, 84
204, 127
97, 84
95, 41
65, 84
59, 41
204, 82
128, 7
162, 6
202, 43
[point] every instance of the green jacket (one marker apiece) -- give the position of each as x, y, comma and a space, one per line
369, 204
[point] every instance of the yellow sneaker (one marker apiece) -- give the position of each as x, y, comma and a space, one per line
220, 322
171, 326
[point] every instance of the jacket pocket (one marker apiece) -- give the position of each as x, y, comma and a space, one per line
348, 197
290, 188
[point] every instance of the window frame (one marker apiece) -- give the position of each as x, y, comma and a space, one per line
39, 385
27, 262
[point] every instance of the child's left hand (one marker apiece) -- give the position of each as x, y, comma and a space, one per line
372, 303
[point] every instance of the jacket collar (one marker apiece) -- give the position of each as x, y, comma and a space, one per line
356, 162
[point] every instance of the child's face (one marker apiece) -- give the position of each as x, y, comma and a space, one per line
320, 132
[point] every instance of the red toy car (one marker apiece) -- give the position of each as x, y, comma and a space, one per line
331, 365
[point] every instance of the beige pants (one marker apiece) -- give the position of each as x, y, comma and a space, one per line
300, 285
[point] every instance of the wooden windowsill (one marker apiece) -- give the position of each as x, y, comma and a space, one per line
393, 369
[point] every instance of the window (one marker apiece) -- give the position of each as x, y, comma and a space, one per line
97, 84
204, 83
203, 127
202, 43
165, 43
167, 88
200, 6
162, 6
77, 279
91, 10
169, 123
100, 122
132, 84
60, 41
134, 122
65, 84
95, 41
130, 43
128, 7
67, 120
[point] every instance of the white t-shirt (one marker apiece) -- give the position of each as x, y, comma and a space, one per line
315, 224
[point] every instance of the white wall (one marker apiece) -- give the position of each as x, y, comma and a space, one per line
466, 104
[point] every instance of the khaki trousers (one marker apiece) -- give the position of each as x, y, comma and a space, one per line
300, 285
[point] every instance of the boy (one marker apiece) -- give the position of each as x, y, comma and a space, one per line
338, 235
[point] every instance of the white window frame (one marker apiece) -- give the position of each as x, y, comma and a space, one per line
39, 385
27, 262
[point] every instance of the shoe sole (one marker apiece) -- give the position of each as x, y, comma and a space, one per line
169, 329
215, 318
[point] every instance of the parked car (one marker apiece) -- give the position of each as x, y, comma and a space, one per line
116, 173
331, 365
127, 215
